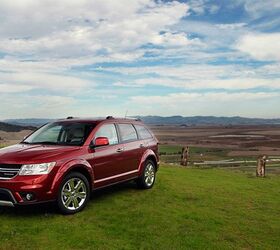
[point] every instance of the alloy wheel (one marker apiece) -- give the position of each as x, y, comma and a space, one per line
149, 175
74, 194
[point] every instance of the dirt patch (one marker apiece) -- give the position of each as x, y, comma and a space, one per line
9, 138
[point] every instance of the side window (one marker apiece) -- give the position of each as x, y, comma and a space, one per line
109, 131
127, 132
143, 132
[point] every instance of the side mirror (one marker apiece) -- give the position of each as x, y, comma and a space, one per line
101, 141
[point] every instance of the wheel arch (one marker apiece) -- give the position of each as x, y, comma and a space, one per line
80, 166
154, 160
82, 170
148, 155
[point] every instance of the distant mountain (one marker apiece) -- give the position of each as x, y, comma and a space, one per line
171, 120
206, 120
14, 128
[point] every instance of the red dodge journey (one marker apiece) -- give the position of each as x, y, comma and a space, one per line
64, 161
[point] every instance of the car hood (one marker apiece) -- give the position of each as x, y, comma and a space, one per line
28, 154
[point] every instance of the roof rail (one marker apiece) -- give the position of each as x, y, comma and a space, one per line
135, 119
69, 117
109, 117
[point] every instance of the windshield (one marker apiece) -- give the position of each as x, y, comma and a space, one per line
72, 134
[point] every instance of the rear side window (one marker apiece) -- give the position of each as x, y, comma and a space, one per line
143, 132
127, 132
109, 131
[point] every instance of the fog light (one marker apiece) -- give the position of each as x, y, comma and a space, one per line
29, 197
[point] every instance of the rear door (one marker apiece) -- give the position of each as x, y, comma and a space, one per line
130, 145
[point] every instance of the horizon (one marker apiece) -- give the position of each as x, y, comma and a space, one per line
193, 58
135, 116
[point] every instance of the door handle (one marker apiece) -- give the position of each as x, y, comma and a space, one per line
119, 150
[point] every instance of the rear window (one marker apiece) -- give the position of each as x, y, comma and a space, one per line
127, 132
143, 132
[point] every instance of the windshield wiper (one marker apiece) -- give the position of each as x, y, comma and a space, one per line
45, 142
25, 142
50, 143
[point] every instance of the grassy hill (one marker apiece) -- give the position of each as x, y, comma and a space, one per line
14, 128
187, 209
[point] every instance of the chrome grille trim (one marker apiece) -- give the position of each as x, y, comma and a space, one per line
9, 171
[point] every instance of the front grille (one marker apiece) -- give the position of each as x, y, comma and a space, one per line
8, 171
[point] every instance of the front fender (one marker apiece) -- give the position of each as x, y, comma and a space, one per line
68, 167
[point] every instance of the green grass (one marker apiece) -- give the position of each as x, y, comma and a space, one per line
176, 149
170, 149
186, 209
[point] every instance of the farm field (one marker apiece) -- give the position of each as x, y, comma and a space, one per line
187, 209
228, 147
236, 141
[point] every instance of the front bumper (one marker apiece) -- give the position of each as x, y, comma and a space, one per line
13, 192
6, 198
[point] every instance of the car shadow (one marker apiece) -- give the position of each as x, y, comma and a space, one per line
50, 208
112, 190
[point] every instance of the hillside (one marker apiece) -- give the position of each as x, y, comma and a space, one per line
6, 127
186, 209
172, 120
28, 122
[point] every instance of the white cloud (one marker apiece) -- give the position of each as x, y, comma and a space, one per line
261, 46
8, 88
203, 76
51, 47
74, 29
258, 8
199, 7
229, 84
25, 81
174, 40
231, 26
42, 41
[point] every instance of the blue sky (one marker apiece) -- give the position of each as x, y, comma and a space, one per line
144, 57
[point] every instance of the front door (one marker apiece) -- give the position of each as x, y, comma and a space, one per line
105, 160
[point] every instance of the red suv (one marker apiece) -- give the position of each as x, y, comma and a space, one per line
66, 160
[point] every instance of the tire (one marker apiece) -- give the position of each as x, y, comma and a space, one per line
148, 176
74, 193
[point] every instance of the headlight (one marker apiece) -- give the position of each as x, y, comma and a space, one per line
36, 169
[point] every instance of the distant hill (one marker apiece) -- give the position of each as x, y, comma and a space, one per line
206, 120
171, 120
14, 128
28, 122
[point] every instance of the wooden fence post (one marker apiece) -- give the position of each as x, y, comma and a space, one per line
185, 156
260, 171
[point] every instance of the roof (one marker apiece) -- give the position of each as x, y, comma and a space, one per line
97, 119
